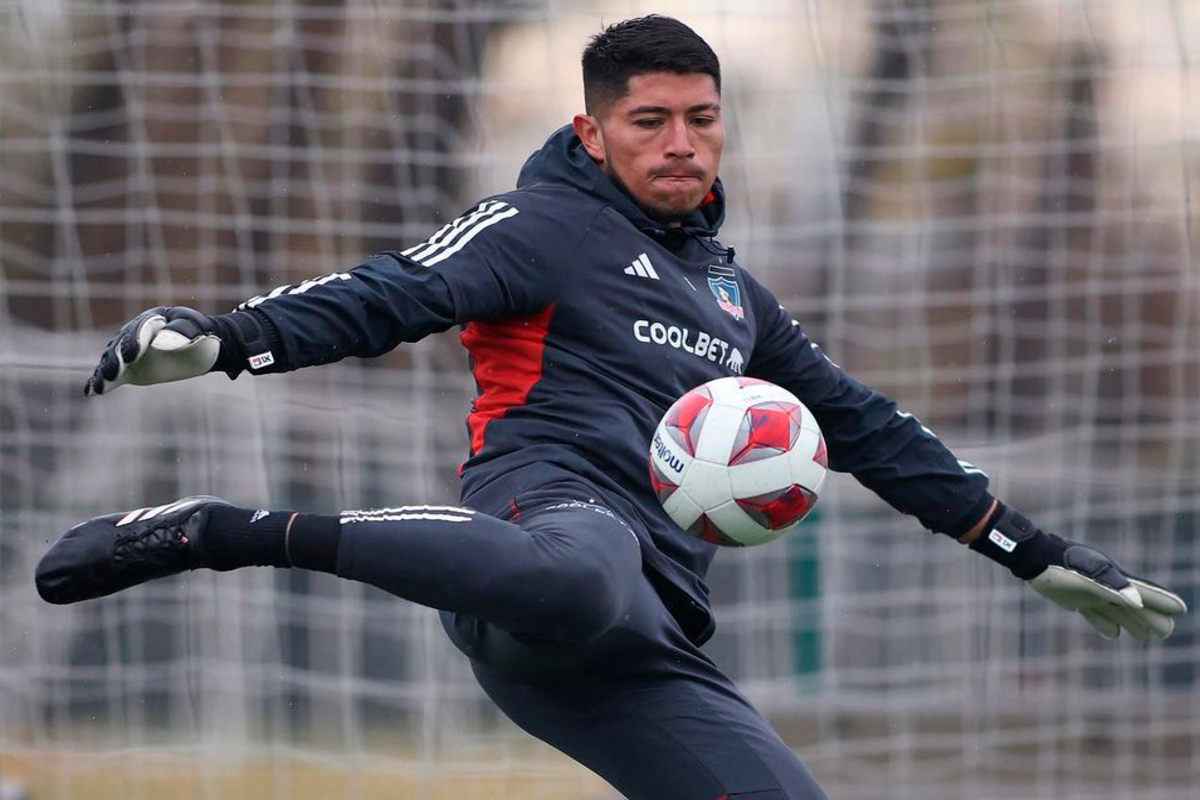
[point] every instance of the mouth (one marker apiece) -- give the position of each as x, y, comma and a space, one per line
677, 183
677, 172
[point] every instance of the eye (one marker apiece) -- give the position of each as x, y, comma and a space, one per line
647, 123
703, 122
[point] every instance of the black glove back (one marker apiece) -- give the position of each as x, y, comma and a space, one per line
1079, 578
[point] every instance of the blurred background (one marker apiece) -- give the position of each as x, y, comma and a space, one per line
986, 208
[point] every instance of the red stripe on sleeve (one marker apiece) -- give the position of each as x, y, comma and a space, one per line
506, 359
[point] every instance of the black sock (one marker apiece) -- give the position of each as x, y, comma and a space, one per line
243, 537
313, 542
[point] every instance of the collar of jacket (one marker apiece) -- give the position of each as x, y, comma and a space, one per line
562, 160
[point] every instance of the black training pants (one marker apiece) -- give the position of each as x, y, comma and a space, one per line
569, 638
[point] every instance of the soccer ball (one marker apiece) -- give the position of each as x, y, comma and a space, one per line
737, 461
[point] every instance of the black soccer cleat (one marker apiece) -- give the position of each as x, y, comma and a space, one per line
116, 551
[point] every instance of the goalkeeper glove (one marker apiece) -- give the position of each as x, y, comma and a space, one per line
159, 345
172, 343
1079, 578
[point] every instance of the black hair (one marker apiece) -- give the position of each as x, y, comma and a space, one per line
639, 46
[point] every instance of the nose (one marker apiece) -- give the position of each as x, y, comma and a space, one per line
679, 141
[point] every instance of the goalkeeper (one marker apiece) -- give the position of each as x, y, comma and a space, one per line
590, 298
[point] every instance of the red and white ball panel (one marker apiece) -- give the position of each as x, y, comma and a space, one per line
669, 462
686, 417
766, 430
809, 462
719, 433
682, 509
759, 477
780, 509
738, 461
727, 517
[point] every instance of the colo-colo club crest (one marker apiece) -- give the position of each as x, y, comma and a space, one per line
722, 281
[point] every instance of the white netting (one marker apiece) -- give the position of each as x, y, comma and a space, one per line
981, 207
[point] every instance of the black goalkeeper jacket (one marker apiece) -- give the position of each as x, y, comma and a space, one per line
584, 320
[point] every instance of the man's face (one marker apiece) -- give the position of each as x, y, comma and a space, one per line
662, 141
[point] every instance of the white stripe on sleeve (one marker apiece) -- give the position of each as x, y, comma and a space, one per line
415, 515
469, 235
449, 233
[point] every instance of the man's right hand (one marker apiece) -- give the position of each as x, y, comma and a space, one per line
167, 343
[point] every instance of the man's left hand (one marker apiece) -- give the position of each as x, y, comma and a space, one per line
1080, 578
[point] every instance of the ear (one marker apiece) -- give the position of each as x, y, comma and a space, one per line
587, 128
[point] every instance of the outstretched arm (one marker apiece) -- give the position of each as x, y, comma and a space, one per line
891, 453
483, 264
886, 449
363, 312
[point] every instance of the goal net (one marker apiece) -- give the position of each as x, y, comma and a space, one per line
981, 207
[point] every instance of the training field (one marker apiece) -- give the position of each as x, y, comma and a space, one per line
1080, 763
986, 209
178, 774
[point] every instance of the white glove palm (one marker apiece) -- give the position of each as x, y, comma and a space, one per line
157, 346
1079, 578
1140, 606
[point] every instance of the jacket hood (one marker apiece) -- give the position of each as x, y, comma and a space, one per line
563, 161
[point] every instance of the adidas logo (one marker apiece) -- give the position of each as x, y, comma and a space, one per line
642, 268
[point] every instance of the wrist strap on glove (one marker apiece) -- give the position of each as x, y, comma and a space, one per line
1010, 538
249, 340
